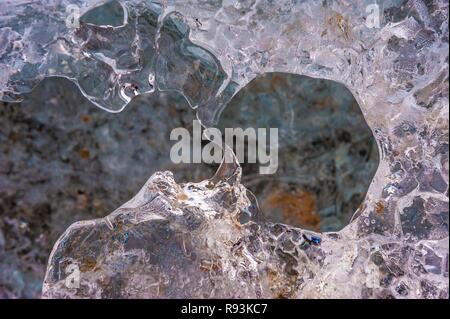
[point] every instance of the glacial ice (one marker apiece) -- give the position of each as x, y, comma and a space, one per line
188, 240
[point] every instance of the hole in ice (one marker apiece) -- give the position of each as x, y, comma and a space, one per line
327, 153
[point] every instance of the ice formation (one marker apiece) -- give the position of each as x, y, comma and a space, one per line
205, 239
55, 141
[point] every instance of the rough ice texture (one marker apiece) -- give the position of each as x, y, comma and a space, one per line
184, 240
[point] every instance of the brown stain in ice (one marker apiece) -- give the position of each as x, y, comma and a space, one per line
298, 207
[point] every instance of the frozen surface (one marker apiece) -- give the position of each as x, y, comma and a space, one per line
179, 240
